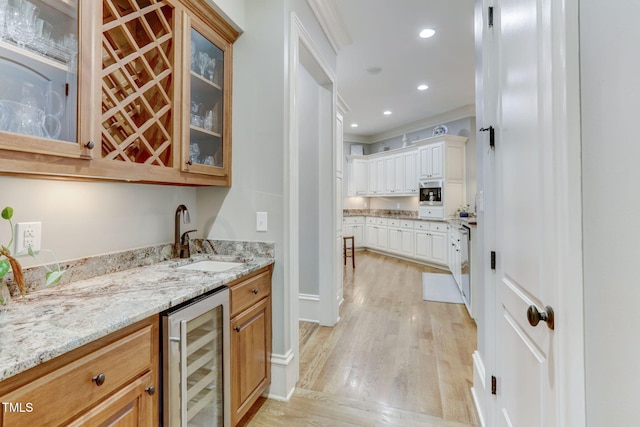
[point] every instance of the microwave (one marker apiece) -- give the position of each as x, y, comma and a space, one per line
431, 193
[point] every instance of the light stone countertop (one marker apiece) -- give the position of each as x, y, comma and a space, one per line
47, 323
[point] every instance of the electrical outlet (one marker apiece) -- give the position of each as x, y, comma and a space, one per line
28, 234
261, 221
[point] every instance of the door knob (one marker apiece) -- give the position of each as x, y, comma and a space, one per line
535, 316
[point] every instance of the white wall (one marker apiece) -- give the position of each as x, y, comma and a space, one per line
231, 10
82, 219
610, 89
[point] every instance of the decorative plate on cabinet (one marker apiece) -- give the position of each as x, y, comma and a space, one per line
440, 130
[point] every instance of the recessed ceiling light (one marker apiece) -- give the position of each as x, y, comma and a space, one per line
423, 87
387, 113
354, 125
427, 32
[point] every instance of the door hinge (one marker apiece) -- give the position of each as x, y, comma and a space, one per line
493, 260
492, 136
490, 16
494, 385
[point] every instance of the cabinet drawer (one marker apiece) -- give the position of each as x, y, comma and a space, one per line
353, 220
439, 226
250, 292
435, 212
406, 223
371, 220
64, 393
394, 223
422, 225
381, 221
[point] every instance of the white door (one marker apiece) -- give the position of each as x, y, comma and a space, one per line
532, 378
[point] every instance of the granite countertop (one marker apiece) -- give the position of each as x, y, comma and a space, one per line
400, 214
49, 322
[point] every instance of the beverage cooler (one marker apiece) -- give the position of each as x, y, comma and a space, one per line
196, 376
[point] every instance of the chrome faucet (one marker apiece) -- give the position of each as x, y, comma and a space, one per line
181, 241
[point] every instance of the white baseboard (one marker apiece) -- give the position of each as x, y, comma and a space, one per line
479, 389
308, 306
284, 377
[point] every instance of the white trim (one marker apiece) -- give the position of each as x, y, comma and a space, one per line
330, 20
283, 372
479, 389
298, 36
570, 397
309, 305
449, 116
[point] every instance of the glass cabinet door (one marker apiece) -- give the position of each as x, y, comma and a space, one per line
38, 70
207, 144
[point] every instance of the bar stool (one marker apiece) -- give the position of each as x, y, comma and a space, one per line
353, 250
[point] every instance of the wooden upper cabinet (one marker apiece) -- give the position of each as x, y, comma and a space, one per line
39, 57
127, 111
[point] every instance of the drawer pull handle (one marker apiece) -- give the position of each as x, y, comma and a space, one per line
150, 390
237, 329
255, 291
98, 379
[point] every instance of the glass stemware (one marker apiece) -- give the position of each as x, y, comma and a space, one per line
211, 68
203, 61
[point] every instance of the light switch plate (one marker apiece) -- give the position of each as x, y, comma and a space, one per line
261, 221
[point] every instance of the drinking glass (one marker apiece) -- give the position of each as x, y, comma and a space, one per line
194, 153
3, 12
21, 22
208, 120
211, 68
203, 61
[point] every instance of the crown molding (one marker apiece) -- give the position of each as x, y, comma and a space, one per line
450, 116
331, 22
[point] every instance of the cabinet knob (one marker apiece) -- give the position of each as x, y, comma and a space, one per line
99, 379
90, 145
255, 291
151, 390
237, 329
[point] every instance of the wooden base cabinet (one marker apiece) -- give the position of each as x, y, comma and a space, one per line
250, 341
110, 381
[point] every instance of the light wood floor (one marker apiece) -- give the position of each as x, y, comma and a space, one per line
392, 360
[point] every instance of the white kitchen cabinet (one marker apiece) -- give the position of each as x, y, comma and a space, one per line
431, 161
358, 175
410, 172
401, 236
354, 226
393, 175
376, 176
431, 242
384, 174
376, 233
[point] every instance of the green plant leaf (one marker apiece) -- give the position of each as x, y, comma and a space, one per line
7, 213
53, 277
4, 267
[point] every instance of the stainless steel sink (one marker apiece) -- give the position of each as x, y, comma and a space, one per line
211, 266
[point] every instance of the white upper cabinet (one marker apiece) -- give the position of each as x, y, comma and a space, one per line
431, 161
